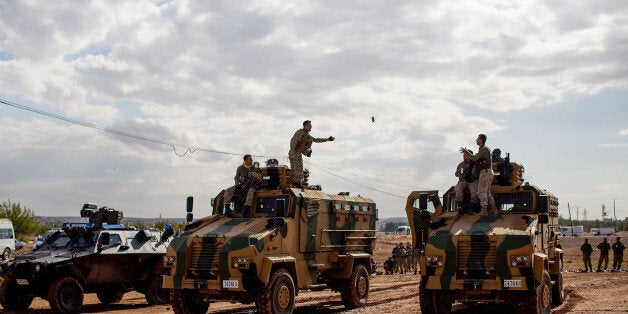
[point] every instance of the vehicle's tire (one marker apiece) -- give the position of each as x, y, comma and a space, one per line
541, 300
155, 294
187, 302
6, 254
12, 298
65, 295
109, 295
279, 295
558, 290
434, 302
355, 291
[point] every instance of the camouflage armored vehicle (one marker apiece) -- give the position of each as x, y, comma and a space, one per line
292, 239
511, 257
99, 257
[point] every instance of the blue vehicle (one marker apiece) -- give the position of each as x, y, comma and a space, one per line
42, 238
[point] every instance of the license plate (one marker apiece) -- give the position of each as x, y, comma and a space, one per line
23, 282
512, 283
229, 284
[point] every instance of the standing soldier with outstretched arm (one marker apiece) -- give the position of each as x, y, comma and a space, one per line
301, 144
586, 249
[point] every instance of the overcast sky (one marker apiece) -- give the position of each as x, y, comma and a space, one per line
547, 81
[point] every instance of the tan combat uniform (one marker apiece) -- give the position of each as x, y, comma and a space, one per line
242, 173
462, 184
299, 144
483, 162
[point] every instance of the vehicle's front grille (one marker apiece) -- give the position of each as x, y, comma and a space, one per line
205, 259
477, 257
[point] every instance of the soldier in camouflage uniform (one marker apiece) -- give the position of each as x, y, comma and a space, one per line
246, 177
396, 256
483, 161
586, 249
618, 254
466, 179
604, 248
408, 252
301, 144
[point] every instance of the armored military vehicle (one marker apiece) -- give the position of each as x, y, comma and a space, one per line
511, 257
291, 239
98, 256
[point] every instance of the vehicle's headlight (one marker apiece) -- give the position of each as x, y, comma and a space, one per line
520, 261
434, 261
240, 262
169, 260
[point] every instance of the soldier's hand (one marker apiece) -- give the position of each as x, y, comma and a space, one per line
308, 152
463, 150
331, 138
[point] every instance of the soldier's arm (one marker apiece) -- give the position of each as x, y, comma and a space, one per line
316, 139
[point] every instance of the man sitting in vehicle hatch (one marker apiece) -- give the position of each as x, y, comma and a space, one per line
246, 178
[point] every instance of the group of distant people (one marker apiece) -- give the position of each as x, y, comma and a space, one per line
475, 172
604, 247
248, 175
403, 260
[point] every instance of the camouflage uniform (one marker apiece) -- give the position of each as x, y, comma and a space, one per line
604, 248
301, 144
618, 254
483, 162
395, 257
389, 266
586, 249
466, 179
242, 174
408, 252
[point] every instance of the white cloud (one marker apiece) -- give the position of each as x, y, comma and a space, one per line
623, 132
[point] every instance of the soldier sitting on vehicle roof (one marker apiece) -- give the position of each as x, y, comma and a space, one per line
247, 177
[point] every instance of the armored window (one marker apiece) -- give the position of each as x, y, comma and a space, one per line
114, 238
514, 202
272, 206
347, 206
338, 206
61, 241
365, 208
430, 205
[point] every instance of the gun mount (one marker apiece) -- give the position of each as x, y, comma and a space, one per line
101, 215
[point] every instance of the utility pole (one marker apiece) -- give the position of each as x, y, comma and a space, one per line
570, 221
577, 213
584, 214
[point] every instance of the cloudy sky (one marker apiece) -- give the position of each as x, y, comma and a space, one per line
547, 81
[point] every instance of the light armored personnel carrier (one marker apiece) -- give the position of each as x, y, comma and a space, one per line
100, 256
292, 239
511, 257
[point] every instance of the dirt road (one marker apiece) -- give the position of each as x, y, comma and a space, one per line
586, 292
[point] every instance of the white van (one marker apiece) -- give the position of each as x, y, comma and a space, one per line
7, 238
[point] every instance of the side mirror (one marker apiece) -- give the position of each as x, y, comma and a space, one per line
423, 201
543, 218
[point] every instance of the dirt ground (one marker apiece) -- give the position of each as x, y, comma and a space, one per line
586, 292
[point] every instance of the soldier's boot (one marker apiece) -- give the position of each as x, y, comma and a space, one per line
461, 208
475, 208
493, 209
483, 212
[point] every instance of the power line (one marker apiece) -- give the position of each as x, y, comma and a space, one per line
363, 177
360, 184
188, 149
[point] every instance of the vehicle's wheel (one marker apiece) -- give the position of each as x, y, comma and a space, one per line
6, 254
278, 297
426, 300
109, 295
558, 290
155, 293
65, 295
355, 291
541, 300
187, 302
12, 298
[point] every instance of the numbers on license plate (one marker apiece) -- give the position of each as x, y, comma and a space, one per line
229, 284
23, 282
508, 283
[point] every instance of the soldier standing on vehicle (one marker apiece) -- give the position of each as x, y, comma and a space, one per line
483, 162
618, 254
586, 249
604, 248
301, 144
466, 179
246, 177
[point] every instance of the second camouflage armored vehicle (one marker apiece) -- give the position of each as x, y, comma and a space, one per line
292, 239
511, 257
99, 257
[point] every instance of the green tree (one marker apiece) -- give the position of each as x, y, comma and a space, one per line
161, 225
24, 220
139, 224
